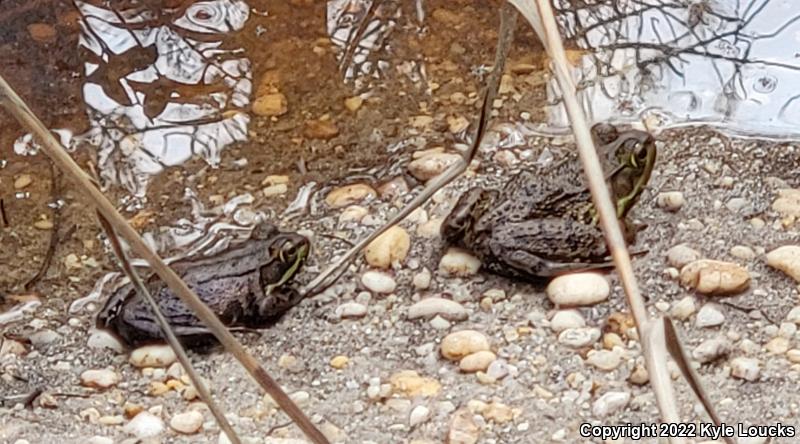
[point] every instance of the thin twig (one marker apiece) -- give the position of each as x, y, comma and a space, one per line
53, 148
51, 247
508, 18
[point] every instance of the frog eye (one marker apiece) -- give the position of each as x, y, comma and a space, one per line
288, 250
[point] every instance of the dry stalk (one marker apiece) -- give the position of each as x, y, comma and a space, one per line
658, 336
53, 148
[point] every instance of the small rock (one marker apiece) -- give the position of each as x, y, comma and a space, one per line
715, 277
420, 121
683, 309
351, 310
152, 356
430, 229
463, 429
711, 349
604, 359
777, 346
43, 32
43, 337
43, 224
378, 282
478, 361
430, 307
735, 204
610, 403
418, 415
339, 362
579, 337
498, 412
793, 355
390, 247
100, 440
103, 378
639, 375
745, 368
564, 319
458, 262
272, 104
321, 129
680, 255
459, 344
144, 425
788, 205
786, 259
353, 213
743, 252
353, 103
578, 289
422, 280
457, 124
709, 316
188, 422
22, 181
410, 384
793, 315
431, 165
274, 190
611, 340
349, 194
670, 200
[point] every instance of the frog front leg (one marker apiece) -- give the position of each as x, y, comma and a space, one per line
528, 248
266, 309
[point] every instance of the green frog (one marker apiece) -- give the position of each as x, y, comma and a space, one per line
543, 223
246, 286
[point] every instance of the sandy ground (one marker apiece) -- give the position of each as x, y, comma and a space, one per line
542, 390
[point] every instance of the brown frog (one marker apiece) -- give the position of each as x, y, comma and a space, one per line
543, 223
246, 286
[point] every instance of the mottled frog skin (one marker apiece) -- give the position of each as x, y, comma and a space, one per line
246, 286
543, 223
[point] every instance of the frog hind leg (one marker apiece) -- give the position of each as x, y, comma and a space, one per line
552, 236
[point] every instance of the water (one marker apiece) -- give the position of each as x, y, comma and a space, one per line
732, 65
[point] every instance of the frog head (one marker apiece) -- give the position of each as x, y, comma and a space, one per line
287, 252
469, 208
634, 153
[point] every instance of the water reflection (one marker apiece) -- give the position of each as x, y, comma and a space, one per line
161, 87
729, 64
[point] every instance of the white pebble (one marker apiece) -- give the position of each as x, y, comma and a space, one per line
670, 200
144, 425
478, 361
786, 259
743, 252
418, 415
153, 356
610, 403
378, 282
578, 289
458, 262
103, 378
604, 359
579, 337
351, 310
683, 308
564, 319
680, 255
187, 422
711, 350
709, 316
462, 343
101, 339
745, 368
430, 307
422, 280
